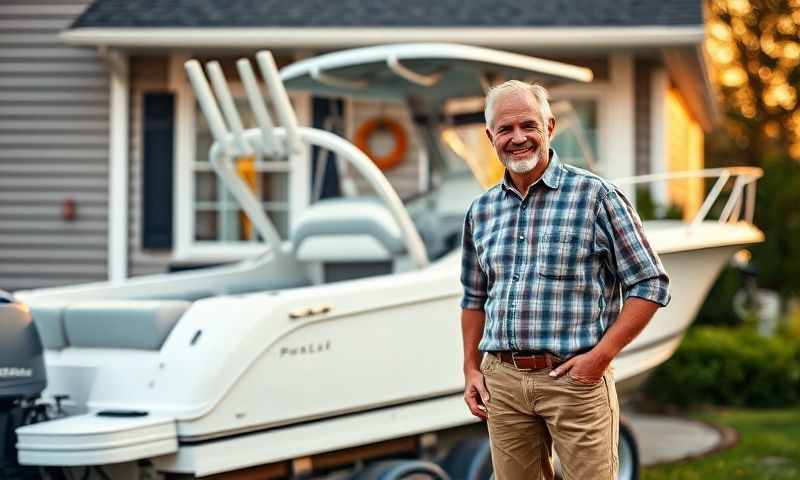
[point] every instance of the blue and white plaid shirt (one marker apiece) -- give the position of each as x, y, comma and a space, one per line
551, 269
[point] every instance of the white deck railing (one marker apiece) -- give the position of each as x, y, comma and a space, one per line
743, 191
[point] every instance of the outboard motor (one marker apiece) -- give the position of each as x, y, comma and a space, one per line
22, 379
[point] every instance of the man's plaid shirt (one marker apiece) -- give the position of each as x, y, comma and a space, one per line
551, 269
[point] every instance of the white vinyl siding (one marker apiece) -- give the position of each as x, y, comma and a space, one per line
54, 135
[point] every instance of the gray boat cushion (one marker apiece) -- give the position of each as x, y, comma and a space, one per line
138, 324
345, 219
49, 322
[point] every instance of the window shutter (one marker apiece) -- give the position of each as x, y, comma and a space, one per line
326, 114
157, 170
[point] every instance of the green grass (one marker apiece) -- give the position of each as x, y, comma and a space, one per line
768, 448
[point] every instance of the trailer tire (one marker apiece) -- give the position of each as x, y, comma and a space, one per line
402, 469
469, 459
629, 465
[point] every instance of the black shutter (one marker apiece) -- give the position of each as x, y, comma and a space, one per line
157, 168
321, 109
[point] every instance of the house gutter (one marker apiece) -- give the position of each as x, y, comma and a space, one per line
550, 38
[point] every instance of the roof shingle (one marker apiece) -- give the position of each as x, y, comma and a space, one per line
389, 13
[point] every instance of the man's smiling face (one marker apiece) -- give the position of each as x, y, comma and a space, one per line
518, 132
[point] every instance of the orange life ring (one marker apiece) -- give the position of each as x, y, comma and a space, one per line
368, 128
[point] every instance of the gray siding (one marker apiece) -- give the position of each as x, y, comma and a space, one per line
53, 147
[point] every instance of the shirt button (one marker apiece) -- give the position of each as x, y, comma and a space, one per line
521, 238
524, 205
515, 276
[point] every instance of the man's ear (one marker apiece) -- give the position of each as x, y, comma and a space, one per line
551, 127
489, 134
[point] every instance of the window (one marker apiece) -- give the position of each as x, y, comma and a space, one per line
576, 132
684, 142
217, 215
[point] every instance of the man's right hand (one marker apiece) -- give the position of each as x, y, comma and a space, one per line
475, 393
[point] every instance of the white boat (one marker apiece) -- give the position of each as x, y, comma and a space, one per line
347, 337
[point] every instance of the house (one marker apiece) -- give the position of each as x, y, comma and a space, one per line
104, 170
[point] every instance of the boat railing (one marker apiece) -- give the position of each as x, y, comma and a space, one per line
743, 190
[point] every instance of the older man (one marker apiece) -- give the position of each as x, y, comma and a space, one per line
558, 277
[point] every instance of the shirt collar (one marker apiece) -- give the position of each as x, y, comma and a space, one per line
551, 176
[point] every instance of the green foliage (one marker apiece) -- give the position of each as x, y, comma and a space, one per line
791, 324
735, 367
767, 449
648, 209
645, 205
745, 45
718, 306
777, 259
778, 215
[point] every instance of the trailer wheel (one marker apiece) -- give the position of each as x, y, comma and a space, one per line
402, 469
628, 453
469, 459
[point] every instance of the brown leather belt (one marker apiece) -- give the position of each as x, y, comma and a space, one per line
529, 361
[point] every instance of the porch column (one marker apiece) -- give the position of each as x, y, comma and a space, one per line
621, 159
659, 85
117, 63
185, 151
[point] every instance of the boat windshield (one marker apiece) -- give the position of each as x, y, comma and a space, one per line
468, 166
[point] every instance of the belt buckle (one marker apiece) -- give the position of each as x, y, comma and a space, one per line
514, 362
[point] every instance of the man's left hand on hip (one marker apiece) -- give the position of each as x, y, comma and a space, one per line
587, 368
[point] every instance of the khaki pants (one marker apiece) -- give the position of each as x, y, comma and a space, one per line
530, 412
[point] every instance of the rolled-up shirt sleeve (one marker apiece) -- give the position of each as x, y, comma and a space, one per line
473, 278
619, 233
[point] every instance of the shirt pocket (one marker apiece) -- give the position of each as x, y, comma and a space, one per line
562, 255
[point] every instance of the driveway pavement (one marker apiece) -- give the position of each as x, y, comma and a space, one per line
666, 439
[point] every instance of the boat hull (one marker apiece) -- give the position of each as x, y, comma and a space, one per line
385, 350
411, 352
692, 273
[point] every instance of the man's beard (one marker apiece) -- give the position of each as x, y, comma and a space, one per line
524, 165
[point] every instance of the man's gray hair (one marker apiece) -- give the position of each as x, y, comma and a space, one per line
538, 92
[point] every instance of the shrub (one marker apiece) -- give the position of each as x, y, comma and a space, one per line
729, 367
718, 306
778, 195
648, 209
777, 259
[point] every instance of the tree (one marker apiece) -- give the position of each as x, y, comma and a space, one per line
755, 53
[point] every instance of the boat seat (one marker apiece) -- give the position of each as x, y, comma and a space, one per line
137, 324
49, 320
347, 230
